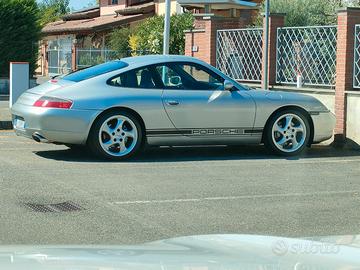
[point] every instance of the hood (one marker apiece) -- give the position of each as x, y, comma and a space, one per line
193, 252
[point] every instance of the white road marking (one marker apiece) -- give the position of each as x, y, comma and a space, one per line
233, 163
226, 198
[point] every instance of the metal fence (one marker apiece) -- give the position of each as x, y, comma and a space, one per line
309, 52
59, 56
357, 57
59, 61
89, 57
239, 53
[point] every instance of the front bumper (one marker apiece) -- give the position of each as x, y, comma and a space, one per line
324, 124
54, 125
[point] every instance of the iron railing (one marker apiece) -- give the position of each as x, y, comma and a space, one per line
89, 57
306, 52
239, 53
357, 57
59, 56
59, 61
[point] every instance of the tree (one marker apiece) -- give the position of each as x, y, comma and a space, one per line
53, 10
147, 37
20, 32
308, 12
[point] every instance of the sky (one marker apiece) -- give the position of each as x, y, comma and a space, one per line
78, 4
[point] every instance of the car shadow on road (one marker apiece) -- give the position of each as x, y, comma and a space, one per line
180, 154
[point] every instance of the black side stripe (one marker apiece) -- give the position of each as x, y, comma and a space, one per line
168, 132
204, 132
254, 131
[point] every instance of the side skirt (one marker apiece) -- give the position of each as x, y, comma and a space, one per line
204, 136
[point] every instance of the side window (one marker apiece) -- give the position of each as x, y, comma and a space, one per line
170, 78
203, 78
189, 76
138, 78
198, 74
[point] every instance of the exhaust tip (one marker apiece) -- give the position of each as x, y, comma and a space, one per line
38, 138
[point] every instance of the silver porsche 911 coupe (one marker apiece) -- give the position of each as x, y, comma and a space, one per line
117, 108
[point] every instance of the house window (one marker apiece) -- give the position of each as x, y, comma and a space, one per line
114, 2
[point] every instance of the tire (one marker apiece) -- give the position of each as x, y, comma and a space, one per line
116, 135
287, 133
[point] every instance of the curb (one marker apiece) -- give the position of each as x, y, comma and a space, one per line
6, 125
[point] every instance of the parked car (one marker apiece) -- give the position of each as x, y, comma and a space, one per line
116, 108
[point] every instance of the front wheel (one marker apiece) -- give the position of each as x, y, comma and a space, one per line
287, 133
116, 135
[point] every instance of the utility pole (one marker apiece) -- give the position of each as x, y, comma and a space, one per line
167, 26
266, 56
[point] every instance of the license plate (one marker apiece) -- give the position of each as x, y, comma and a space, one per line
19, 123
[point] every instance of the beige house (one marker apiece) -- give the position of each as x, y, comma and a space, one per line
81, 35
79, 39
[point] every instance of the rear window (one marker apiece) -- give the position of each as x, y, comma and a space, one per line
94, 71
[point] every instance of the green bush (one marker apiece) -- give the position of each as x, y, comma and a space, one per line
151, 32
119, 41
147, 37
20, 32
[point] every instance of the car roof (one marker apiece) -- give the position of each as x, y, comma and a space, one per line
154, 59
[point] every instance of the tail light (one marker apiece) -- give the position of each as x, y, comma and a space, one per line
53, 102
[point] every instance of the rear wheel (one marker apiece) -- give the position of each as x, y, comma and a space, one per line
288, 133
116, 135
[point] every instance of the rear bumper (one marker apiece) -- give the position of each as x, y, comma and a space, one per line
54, 125
324, 124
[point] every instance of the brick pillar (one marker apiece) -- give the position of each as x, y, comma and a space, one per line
201, 41
347, 18
276, 20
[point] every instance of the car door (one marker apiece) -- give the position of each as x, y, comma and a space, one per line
197, 104
140, 90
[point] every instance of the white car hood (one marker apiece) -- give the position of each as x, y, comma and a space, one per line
193, 252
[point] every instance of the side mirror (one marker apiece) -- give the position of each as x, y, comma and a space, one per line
228, 86
175, 80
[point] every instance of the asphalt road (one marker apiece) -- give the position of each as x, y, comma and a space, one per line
175, 192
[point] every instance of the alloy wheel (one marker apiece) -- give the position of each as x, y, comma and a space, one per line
289, 133
118, 135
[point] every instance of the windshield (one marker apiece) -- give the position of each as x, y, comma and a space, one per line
94, 71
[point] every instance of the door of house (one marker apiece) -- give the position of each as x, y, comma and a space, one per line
59, 56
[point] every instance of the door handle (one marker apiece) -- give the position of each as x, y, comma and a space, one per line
172, 102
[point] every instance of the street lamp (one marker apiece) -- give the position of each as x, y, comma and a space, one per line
167, 26
266, 56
